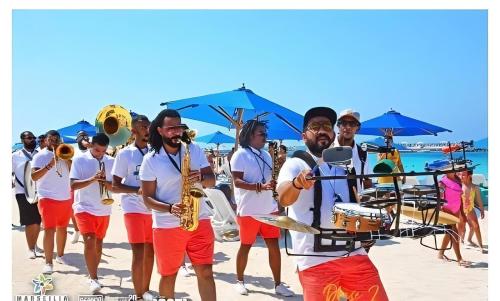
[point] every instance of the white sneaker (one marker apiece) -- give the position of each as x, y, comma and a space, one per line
94, 286
38, 252
60, 260
48, 269
184, 271
76, 236
148, 296
282, 290
31, 254
240, 288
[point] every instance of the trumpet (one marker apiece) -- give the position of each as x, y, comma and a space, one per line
63, 152
105, 198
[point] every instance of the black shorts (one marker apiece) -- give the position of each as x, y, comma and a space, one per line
28, 212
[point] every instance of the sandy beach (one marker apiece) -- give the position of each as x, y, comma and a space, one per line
408, 270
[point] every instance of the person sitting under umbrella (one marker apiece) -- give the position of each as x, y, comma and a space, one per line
394, 156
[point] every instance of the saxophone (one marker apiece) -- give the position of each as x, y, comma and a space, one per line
276, 166
190, 195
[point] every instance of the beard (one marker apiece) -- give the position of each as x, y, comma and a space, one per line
172, 142
317, 148
31, 145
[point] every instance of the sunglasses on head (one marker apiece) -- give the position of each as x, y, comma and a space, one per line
29, 138
316, 126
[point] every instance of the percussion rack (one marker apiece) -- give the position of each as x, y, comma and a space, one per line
426, 229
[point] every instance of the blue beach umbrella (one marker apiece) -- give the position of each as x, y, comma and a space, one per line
71, 131
399, 125
232, 109
216, 138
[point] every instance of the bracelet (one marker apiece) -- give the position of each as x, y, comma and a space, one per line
296, 187
47, 167
170, 209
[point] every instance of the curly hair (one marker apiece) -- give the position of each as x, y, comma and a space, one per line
155, 139
248, 129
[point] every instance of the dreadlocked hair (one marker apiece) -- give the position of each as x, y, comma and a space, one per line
155, 139
248, 129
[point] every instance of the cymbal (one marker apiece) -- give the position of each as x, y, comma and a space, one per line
285, 222
444, 218
420, 190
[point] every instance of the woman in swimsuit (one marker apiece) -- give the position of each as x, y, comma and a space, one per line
471, 195
452, 191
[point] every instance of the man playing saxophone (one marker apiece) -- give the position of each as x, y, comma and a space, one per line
166, 189
90, 173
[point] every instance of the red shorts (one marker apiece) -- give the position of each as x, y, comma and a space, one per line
171, 244
250, 227
139, 227
354, 277
55, 214
89, 223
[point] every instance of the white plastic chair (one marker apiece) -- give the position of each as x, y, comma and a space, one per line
224, 218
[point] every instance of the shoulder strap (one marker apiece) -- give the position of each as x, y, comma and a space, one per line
306, 157
28, 156
318, 197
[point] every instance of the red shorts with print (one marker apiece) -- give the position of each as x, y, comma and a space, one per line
139, 227
353, 277
170, 245
250, 227
89, 223
55, 214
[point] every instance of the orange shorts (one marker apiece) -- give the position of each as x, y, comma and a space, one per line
55, 214
354, 277
171, 244
89, 223
139, 228
250, 227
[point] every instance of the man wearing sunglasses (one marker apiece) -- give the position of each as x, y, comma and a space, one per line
251, 168
162, 184
349, 124
324, 272
28, 213
52, 178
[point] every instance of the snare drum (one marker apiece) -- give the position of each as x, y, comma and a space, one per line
352, 217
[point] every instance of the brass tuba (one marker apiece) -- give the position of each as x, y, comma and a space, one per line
190, 195
116, 122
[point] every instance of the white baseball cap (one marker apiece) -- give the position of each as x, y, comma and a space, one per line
351, 113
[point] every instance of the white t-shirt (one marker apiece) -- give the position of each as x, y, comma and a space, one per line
18, 162
356, 162
88, 199
158, 167
256, 166
52, 185
126, 166
303, 243
79, 152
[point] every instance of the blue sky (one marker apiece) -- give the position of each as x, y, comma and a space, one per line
430, 65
